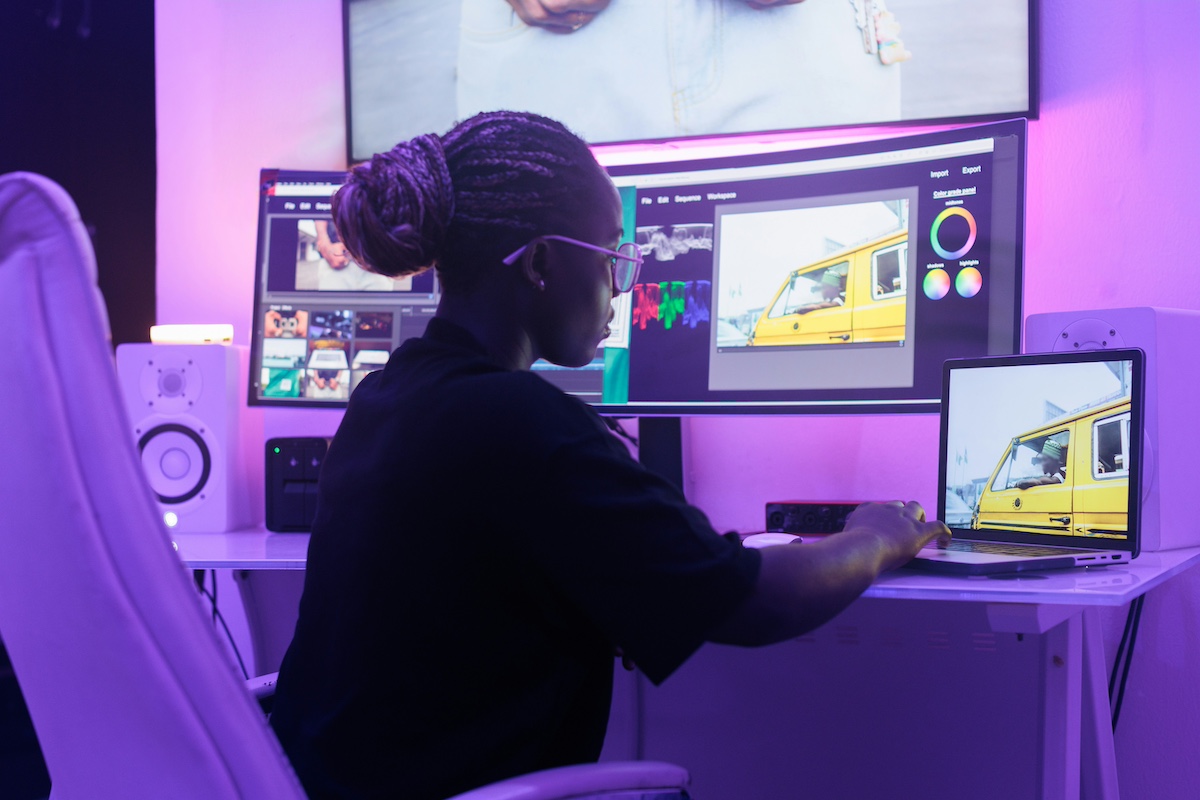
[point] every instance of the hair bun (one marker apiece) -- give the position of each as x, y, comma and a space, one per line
393, 213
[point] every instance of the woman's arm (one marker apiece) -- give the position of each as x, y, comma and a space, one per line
802, 586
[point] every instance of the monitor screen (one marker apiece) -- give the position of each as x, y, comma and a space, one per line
651, 70
1043, 446
833, 279
321, 322
826, 280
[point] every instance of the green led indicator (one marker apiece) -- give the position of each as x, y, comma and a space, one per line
276, 450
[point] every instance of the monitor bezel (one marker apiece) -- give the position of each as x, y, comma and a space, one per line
928, 405
1031, 112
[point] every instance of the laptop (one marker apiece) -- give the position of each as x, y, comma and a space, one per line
1040, 462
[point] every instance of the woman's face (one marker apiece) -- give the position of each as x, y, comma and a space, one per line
573, 310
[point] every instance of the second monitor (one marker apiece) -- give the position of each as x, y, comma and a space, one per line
833, 279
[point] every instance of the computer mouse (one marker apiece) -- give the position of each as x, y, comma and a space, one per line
760, 540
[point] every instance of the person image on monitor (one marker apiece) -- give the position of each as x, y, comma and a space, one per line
655, 69
832, 294
326, 380
484, 545
337, 271
1051, 460
286, 324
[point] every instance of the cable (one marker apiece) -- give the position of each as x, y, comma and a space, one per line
1135, 614
198, 576
1112, 678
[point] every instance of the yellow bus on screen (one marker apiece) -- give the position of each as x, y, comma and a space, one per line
857, 294
1068, 476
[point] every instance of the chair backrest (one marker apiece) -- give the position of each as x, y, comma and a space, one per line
130, 692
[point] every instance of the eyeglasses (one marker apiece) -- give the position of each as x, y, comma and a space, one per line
625, 261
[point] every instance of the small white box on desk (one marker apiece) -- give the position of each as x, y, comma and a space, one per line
1171, 340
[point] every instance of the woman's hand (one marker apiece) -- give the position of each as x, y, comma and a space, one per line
334, 253
900, 527
559, 16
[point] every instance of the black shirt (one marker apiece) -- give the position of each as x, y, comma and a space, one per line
482, 543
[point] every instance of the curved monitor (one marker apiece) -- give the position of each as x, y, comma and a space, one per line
827, 280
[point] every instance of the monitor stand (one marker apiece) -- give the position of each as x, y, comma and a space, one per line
660, 447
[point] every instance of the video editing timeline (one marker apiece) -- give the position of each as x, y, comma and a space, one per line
321, 322
832, 279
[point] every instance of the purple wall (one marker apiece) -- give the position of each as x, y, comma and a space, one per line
1111, 207
1112, 165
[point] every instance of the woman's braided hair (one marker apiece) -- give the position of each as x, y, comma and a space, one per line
464, 200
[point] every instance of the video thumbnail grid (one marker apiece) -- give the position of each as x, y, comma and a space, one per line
321, 354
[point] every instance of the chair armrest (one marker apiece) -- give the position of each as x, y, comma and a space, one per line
263, 687
585, 780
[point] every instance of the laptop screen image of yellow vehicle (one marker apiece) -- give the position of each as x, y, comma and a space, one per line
1040, 461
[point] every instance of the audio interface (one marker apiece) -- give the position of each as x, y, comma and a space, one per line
799, 516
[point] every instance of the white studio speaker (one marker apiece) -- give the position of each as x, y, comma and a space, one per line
1171, 341
183, 405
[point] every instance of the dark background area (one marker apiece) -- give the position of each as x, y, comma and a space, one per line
77, 105
77, 100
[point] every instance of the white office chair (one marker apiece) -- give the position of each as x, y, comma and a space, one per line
129, 689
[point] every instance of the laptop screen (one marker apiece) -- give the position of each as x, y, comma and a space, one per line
1043, 448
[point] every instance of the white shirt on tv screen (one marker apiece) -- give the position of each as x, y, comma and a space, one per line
645, 69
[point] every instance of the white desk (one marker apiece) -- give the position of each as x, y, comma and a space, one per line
725, 696
268, 569
1077, 755
1103, 586
255, 549
946, 687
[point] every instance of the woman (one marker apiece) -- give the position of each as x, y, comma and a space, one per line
483, 544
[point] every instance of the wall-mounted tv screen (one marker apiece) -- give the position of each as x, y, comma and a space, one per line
650, 70
827, 280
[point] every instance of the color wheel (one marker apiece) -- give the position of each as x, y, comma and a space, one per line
937, 284
968, 282
953, 211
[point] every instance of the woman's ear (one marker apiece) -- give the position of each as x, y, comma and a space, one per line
533, 264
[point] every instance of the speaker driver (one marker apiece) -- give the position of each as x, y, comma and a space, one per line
170, 385
177, 462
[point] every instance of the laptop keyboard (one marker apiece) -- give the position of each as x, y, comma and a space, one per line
1003, 549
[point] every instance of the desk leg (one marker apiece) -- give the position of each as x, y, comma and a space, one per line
1098, 757
271, 599
1063, 669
